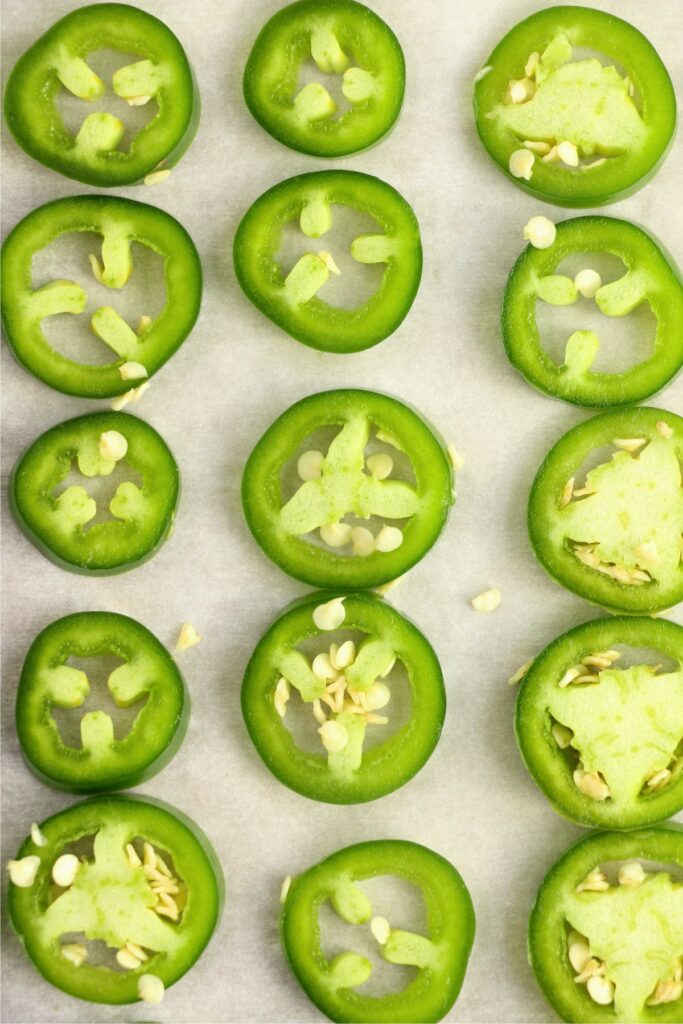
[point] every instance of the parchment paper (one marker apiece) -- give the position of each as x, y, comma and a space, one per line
473, 802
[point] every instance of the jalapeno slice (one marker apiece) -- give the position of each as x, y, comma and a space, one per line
649, 279
606, 929
55, 519
137, 353
346, 41
306, 507
59, 60
108, 754
113, 892
599, 722
612, 534
569, 129
342, 687
288, 295
437, 960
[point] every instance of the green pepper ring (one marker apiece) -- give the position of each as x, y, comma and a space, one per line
450, 916
261, 491
547, 936
150, 453
665, 294
367, 122
541, 754
557, 467
161, 143
384, 767
596, 30
170, 829
152, 227
159, 728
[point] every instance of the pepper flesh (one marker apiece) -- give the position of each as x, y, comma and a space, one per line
288, 297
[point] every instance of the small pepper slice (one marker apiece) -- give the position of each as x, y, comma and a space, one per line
120, 222
147, 679
649, 278
141, 517
600, 726
569, 129
606, 930
613, 534
378, 657
344, 39
439, 958
146, 895
324, 525
59, 60
288, 295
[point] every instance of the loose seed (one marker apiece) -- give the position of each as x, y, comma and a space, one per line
328, 260
456, 459
132, 855
37, 836
388, 539
666, 992
126, 959
150, 989
74, 952
380, 466
579, 955
592, 969
592, 784
363, 541
310, 465
136, 950
532, 64
284, 888
344, 655
540, 232
664, 429
388, 669
631, 874
156, 177
334, 736
583, 492
336, 534
567, 492
520, 673
601, 990
378, 696
570, 675
143, 324
318, 712
281, 696
659, 779
562, 735
381, 929
148, 855
540, 148
96, 267
520, 90
521, 164
629, 444
597, 660
331, 615
188, 637
488, 601
595, 881
322, 667
482, 73
568, 154
65, 869
648, 552
372, 719
23, 872
113, 445
138, 101
552, 156
588, 282
130, 397
132, 371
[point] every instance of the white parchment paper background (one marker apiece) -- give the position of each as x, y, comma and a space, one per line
473, 802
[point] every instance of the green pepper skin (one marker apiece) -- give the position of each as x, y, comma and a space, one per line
624, 45
156, 734
167, 829
547, 940
32, 88
284, 44
546, 762
385, 766
315, 322
262, 499
661, 288
450, 926
108, 547
141, 223
549, 543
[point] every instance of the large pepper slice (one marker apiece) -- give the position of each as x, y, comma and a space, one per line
439, 958
141, 900
147, 679
327, 530
606, 930
59, 60
570, 129
288, 295
140, 517
139, 353
613, 533
649, 278
377, 657
600, 726
344, 39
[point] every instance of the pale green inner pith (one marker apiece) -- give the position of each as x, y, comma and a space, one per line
74, 507
637, 499
109, 901
345, 489
64, 686
627, 726
314, 102
637, 932
579, 101
349, 969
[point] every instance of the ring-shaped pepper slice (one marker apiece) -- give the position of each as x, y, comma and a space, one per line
345, 40
439, 958
345, 495
147, 679
613, 534
118, 897
570, 129
138, 353
649, 278
288, 295
606, 931
56, 522
600, 725
59, 59
345, 688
